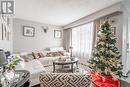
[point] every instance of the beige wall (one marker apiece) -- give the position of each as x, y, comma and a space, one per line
40, 41
126, 39
119, 26
96, 15
116, 9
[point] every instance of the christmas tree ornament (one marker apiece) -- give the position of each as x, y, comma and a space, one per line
106, 57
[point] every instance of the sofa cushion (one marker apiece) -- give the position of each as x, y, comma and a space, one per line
36, 55
45, 52
54, 49
62, 53
47, 61
67, 54
50, 54
55, 54
33, 67
27, 57
41, 54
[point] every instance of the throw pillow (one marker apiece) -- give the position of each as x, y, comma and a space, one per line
62, 53
50, 54
57, 54
27, 57
41, 55
54, 54
36, 55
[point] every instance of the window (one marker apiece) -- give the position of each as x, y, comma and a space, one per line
82, 38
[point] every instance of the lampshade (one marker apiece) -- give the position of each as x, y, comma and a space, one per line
3, 59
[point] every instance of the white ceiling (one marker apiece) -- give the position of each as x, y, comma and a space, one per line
58, 12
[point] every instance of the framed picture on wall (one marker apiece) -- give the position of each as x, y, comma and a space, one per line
113, 30
57, 34
28, 31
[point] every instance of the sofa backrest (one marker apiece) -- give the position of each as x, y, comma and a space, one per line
64, 80
53, 49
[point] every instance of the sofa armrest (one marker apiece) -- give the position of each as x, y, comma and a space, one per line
66, 54
53, 49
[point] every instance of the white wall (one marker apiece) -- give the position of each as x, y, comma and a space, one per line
96, 15
116, 9
40, 41
126, 39
6, 44
119, 28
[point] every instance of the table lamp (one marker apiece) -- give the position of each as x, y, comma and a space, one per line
3, 61
70, 49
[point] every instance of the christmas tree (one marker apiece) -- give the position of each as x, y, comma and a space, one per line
106, 58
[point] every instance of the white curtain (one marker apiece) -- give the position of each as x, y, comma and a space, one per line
67, 38
82, 38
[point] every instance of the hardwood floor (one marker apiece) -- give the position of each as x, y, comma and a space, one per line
125, 84
49, 69
36, 86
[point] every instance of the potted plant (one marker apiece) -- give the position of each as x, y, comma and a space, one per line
10, 67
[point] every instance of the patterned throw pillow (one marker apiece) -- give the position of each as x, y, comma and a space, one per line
36, 55
41, 55
50, 54
28, 57
62, 53
55, 54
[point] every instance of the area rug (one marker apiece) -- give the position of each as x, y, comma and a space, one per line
80, 69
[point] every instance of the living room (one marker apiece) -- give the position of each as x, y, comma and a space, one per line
65, 41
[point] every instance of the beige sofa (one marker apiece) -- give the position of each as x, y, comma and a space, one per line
37, 66
64, 80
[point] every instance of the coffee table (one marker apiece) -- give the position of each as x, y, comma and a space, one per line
67, 62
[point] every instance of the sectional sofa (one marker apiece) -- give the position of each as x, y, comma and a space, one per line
36, 66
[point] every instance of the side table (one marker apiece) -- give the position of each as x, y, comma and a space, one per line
22, 79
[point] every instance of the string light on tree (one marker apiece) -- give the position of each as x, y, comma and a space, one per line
106, 57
